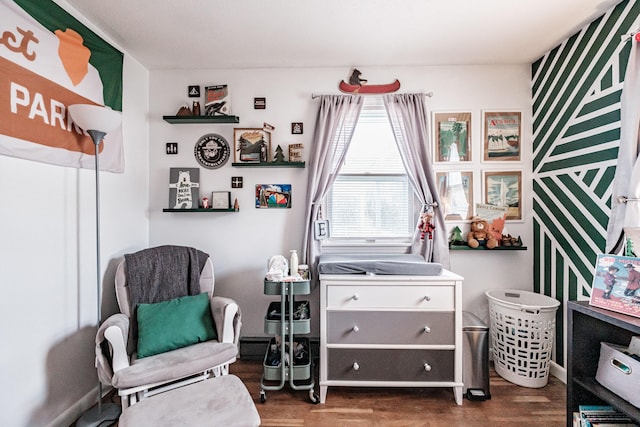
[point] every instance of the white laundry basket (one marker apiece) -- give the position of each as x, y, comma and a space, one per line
522, 326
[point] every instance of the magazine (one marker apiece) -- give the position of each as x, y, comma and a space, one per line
495, 216
616, 284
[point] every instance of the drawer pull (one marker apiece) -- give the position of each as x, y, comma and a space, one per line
427, 367
355, 328
427, 329
355, 297
427, 298
356, 366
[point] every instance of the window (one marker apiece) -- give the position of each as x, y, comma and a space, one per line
371, 200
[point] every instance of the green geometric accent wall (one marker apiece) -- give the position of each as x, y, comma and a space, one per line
576, 90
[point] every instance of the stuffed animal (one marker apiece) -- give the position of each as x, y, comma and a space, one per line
426, 226
480, 235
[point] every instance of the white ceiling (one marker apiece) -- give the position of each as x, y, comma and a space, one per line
192, 34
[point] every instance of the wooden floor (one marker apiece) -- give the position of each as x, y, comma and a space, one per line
510, 405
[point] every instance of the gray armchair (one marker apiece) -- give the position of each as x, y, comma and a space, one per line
156, 275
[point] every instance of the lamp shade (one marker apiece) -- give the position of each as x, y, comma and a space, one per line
95, 117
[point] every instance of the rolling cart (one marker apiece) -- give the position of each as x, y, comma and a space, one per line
288, 356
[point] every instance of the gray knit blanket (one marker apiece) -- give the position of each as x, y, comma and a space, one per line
163, 273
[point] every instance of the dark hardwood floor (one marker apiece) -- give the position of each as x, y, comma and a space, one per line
510, 405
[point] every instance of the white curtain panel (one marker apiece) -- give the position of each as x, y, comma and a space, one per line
627, 179
337, 118
410, 121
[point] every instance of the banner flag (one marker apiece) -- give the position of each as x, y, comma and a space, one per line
48, 61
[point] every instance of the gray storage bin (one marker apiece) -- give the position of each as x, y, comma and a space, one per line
475, 357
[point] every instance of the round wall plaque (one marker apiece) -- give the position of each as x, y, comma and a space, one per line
212, 151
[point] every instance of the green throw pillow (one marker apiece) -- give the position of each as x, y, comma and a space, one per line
173, 324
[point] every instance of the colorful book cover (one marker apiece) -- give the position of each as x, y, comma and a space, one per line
217, 101
616, 284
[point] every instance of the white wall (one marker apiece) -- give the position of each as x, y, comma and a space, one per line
48, 267
241, 243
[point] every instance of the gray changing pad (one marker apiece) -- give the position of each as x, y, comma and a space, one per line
392, 264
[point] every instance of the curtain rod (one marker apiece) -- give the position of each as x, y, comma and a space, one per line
315, 95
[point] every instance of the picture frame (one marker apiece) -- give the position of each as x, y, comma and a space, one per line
269, 196
456, 194
452, 136
502, 135
504, 188
251, 145
220, 200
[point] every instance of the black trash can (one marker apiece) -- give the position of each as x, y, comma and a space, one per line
475, 357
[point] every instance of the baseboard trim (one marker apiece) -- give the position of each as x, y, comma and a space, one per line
558, 372
72, 413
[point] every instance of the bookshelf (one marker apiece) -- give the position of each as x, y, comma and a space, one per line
587, 327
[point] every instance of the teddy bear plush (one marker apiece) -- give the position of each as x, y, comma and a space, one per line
480, 235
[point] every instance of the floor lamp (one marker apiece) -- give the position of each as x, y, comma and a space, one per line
97, 121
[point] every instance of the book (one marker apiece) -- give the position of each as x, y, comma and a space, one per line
616, 284
184, 188
217, 101
602, 415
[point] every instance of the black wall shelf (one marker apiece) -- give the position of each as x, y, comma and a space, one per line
482, 248
270, 165
200, 210
201, 119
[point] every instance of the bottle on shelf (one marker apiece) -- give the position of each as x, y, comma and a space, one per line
293, 263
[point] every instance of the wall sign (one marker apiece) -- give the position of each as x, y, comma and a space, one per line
172, 148
212, 151
194, 91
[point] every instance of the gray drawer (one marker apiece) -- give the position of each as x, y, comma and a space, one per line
390, 365
388, 327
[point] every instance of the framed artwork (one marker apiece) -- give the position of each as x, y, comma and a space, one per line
502, 135
273, 196
456, 194
251, 145
184, 188
220, 200
453, 137
504, 189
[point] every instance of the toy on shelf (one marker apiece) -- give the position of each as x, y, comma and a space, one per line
479, 234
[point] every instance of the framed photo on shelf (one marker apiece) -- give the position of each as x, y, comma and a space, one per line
220, 200
251, 145
456, 194
502, 135
453, 137
504, 188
